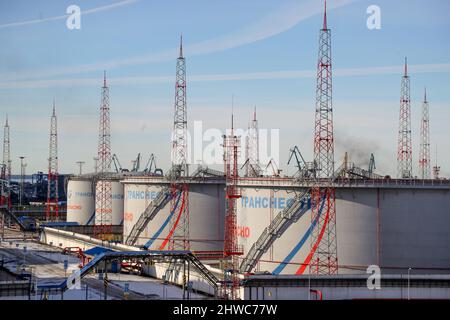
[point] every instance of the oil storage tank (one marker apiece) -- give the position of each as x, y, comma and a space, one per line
117, 202
206, 214
395, 225
80, 201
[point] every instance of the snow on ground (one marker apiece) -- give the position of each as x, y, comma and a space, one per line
47, 264
150, 287
45, 261
80, 294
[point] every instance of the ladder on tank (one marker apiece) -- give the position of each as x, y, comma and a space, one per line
361, 173
292, 213
161, 200
207, 172
283, 220
8, 213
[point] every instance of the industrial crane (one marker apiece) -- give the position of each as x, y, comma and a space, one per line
136, 163
275, 171
117, 164
372, 166
151, 166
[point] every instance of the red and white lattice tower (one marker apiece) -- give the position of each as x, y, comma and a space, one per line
180, 222
323, 238
436, 168
103, 189
52, 213
404, 149
424, 156
231, 146
6, 164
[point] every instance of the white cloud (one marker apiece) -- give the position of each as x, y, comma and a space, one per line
269, 75
277, 22
84, 12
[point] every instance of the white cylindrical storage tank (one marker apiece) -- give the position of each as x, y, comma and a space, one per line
356, 215
391, 226
117, 203
80, 201
206, 216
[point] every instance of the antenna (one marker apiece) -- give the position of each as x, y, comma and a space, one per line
232, 113
406, 67
52, 178
103, 189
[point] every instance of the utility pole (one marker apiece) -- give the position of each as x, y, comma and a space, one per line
80, 165
95, 164
22, 179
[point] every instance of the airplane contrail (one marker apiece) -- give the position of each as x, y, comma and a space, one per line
62, 17
285, 18
269, 75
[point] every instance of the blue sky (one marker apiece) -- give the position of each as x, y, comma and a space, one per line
230, 42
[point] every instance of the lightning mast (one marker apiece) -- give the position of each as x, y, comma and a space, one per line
436, 168
231, 146
424, 157
404, 150
253, 167
180, 221
52, 177
6, 168
323, 238
103, 190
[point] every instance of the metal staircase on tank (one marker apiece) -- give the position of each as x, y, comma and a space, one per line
358, 172
161, 200
207, 172
294, 211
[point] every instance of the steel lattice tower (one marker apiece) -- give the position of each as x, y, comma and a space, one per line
323, 238
52, 177
180, 221
179, 139
103, 190
404, 150
424, 157
6, 167
252, 148
6, 174
231, 146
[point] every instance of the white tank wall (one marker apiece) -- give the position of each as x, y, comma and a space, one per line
80, 201
117, 203
398, 228
418, 222
206, 212
254, 215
